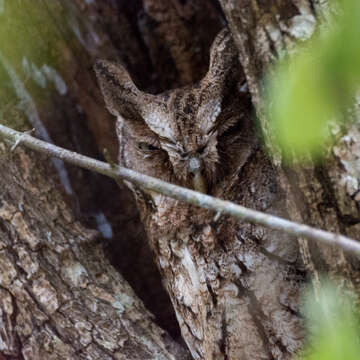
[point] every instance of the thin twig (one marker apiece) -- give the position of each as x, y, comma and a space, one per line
192, 197
18, 140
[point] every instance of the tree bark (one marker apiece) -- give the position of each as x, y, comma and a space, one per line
323, 195
60, 297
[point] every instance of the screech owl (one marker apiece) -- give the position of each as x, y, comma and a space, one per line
234, 286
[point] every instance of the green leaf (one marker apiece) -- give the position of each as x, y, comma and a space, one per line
316, 86
302, 106
333, 327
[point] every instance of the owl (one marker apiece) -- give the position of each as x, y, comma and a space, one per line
234, 286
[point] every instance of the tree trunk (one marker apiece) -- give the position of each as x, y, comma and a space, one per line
322, 195
60, 297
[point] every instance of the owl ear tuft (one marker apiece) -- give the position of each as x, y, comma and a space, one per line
223, 57
223, 71
121, 95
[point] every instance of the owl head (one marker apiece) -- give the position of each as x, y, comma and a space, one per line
189, 136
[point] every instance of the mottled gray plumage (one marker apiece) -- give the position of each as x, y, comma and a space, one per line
234, 286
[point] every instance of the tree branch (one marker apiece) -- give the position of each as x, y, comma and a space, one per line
180, 193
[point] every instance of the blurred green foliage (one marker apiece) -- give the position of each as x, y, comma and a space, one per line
42, 48
29, 40
316, 85
332, 325
28, 30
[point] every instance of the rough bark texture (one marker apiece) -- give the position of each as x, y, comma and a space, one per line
60, 297
324, 195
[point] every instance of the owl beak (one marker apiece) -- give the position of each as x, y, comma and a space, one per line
196, 166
